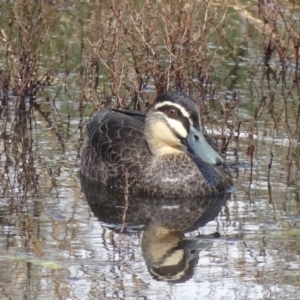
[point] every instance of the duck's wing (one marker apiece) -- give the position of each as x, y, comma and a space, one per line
132, 113
117, 136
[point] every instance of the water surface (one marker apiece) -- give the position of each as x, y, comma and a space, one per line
54, 245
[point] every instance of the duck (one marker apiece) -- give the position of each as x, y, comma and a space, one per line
164, 153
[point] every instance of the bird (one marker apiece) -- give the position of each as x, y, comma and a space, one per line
164, 153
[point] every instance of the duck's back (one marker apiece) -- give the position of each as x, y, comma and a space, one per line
113, 148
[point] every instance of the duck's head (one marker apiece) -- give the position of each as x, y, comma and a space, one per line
169, 255
173, 126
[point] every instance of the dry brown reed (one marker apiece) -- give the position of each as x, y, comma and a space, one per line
124, 53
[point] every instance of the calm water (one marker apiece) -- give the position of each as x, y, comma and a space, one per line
61, 238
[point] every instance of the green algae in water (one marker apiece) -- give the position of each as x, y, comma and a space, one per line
38, 262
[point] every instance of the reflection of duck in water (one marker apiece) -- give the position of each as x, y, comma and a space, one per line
164, 153
168, 254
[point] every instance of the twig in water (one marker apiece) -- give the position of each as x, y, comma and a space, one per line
126, 194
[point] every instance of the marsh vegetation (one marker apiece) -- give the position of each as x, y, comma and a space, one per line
61, 61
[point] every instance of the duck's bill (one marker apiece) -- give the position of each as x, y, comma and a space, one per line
195, 243
200, 147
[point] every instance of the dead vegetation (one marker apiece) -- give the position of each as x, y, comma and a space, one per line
62, 60
22, 46
129, 51
153, 47
124, 53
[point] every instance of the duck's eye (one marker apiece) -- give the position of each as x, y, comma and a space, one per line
172, 112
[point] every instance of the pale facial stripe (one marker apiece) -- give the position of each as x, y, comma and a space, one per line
178, 127
173, 259
181, 108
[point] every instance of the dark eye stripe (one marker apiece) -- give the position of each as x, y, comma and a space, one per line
179, 116
180, 100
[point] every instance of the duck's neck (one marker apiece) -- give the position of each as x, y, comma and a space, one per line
161, 140
161, 149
